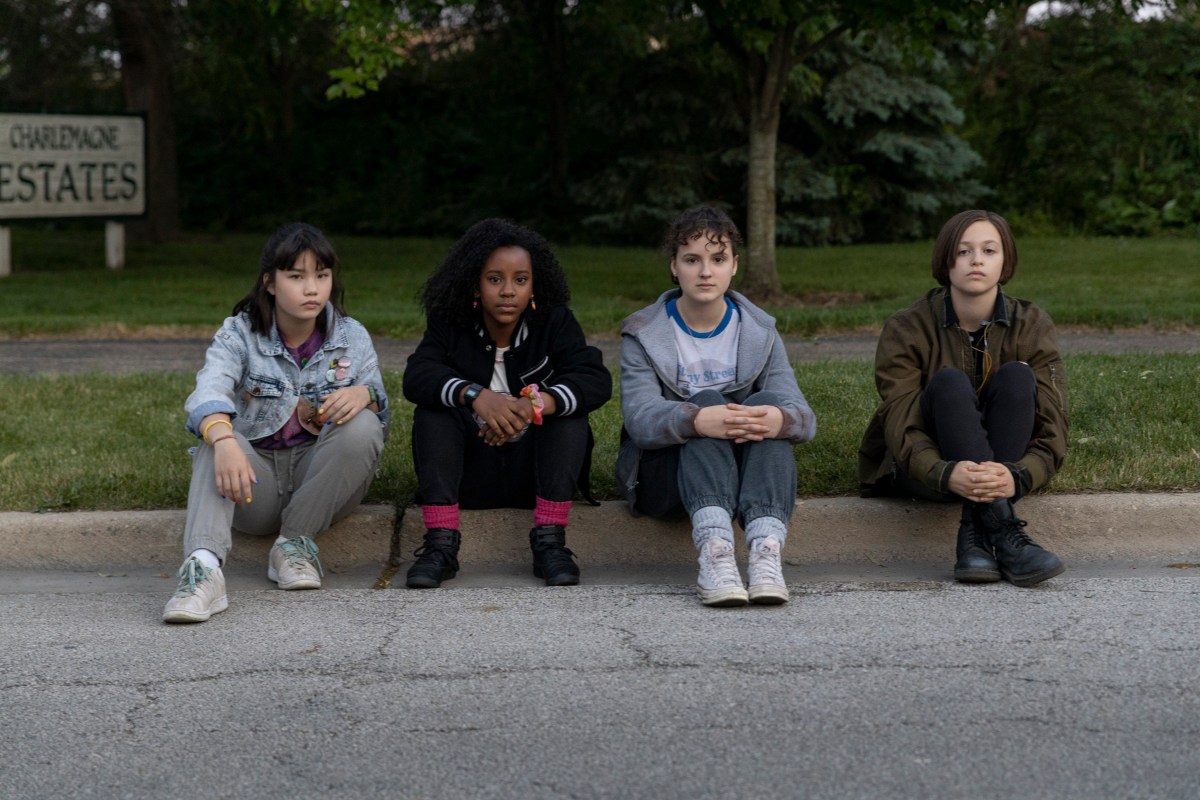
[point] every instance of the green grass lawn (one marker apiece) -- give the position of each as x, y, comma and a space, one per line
118, 442
59, 284
112, 442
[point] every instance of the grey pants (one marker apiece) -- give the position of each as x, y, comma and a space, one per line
301, 491
749, 480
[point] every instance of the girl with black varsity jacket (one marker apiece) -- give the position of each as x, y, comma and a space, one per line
503, 381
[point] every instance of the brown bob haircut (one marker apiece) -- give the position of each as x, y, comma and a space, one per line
946, 247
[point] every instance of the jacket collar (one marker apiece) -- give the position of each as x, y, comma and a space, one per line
999, 314
520, 336
335, 336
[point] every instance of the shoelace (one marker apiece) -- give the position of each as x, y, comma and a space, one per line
764, 558
432, 551
723, 567
302, 550
1014, 531
553, 553
191, 573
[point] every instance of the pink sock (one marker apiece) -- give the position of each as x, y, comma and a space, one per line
440, 516
549, 512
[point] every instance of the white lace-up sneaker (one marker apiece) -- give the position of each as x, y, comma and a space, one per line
766, 572
293, 564
201, 594
720, 583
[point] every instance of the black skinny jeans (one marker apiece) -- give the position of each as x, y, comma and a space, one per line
995, 425
454, 464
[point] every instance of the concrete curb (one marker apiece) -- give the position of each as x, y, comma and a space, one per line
1105, 528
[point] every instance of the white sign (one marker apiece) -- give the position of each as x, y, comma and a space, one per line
60, 165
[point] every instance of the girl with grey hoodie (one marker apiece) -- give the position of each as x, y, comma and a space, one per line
711, 410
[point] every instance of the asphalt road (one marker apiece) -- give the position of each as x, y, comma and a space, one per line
56, 356
1082, 688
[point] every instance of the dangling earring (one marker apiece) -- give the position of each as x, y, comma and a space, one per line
475, 303
532, 303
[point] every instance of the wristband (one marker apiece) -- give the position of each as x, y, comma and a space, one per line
471, 395
535, 399
213, 443
204, 433
372, 395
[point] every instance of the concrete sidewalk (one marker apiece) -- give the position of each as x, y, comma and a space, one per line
1106, 529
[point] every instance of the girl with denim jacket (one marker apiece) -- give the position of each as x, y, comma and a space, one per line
291, 414
711, 411
503, 382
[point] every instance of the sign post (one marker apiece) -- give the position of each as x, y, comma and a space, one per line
65, 166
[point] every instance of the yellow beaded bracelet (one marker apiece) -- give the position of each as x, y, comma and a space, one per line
204, 433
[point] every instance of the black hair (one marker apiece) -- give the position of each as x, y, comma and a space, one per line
281, 251
452, 288
694, 223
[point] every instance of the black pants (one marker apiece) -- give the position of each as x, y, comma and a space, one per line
995, 425
455, 466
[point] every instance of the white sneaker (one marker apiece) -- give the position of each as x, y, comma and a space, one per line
720, 583
293, 564
201, 594
766, 572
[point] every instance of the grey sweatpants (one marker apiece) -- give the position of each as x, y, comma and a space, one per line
300, 492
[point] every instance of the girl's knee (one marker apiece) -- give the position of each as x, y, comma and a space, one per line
950, 380
363, 432
763, 398
707, 397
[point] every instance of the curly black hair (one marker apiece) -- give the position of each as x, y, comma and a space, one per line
451, 290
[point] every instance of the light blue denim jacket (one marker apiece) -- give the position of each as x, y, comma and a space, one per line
253, 378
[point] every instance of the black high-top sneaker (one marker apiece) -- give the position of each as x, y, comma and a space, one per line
552, 559
437, 559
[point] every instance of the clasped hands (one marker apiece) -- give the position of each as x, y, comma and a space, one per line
739, 423
505, 417
982, 482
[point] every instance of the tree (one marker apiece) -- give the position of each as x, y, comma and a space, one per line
767, 41
143, 29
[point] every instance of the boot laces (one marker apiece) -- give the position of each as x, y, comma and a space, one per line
1014, 532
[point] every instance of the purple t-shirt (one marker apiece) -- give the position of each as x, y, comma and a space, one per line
293, 433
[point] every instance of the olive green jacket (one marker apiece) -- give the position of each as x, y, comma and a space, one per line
915, 344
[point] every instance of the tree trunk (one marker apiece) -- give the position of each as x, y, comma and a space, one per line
760, 280
142, 37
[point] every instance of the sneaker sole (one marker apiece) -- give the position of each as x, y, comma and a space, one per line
302, 583
561, 579
769, 594
724, 598
183, 615
426, 583
1034, 578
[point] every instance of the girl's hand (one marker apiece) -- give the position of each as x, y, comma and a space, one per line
234, 475
343, 405
981, 482
504, 417
740, 423
753, 423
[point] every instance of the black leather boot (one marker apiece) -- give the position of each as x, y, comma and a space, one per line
437, 559
974, 562
552, 559
1022, 561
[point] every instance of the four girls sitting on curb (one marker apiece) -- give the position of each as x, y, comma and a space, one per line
292, 414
